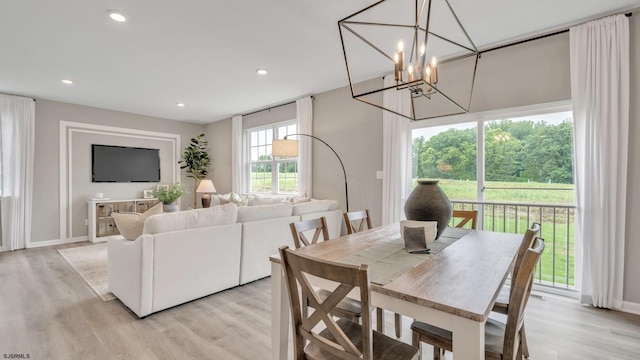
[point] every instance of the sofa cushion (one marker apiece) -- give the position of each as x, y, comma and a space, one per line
256, 200
300, 200
314, 206
212, 216
130, 224
263, 212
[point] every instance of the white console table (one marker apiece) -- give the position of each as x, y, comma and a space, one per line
101, 224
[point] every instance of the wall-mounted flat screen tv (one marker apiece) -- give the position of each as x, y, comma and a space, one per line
124, 164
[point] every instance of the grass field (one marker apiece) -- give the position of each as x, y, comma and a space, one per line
262, 182
538, 193
557, 223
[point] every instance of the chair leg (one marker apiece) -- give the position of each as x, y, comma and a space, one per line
398, 325
380, 320
523, 339
519, 354
436, 353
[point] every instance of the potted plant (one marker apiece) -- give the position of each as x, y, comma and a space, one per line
195, 160
168, 194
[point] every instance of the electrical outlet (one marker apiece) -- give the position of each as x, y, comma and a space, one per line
86, 222
379, 175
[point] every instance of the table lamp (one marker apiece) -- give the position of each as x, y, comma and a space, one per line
206, 188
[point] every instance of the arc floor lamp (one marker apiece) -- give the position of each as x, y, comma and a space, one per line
285, 147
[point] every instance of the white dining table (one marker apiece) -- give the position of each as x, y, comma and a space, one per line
454, 289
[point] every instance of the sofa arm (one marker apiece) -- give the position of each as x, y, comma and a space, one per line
130, 272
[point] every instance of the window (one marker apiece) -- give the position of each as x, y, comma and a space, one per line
526, 158
447, 153
266, 174
529, 159
514, 168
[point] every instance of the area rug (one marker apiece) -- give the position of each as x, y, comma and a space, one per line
91, 263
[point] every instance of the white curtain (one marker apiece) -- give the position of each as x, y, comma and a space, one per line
17, 123
237, 161
304, 114
600, 93
396, 155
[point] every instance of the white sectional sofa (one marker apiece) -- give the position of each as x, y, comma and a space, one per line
190, 254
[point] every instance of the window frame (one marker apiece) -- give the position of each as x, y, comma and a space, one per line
274, 162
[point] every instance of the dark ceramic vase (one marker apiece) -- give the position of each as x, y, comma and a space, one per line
428, 202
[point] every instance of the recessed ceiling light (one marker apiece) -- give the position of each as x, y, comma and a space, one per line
116, 16
67, 81
180, 104
261, 71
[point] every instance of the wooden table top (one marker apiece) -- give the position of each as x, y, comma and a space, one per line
463, 279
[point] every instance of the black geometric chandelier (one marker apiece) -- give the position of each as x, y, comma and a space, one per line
426, 47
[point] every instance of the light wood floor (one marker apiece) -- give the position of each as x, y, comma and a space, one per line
48, 312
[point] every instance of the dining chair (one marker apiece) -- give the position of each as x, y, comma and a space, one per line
502, 303
298, 230
355, 221
465, 216
503, 341
319, 335
347, 308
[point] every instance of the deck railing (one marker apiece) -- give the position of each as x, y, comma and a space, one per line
556, 266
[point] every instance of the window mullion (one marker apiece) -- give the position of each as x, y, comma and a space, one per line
275, 187
480, 170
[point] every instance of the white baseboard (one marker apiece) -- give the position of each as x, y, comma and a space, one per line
57, 242
630, 307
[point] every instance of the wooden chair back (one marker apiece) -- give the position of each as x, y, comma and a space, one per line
465, 216
527, 241
297, 268
521, 288
298, 230
356, 221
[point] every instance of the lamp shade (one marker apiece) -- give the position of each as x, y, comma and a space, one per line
284, 148
206, 186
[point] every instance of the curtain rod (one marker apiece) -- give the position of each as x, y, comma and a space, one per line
8, 94
273, 107
629, 14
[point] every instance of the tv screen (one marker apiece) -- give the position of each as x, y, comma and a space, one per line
125, 164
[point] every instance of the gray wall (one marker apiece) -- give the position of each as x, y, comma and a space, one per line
46, 217
354, 130
219, 136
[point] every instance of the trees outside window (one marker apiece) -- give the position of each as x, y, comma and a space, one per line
533, 152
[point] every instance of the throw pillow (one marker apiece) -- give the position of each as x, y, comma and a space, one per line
239, 200
130, 224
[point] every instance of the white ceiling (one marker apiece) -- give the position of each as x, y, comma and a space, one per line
204, 53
